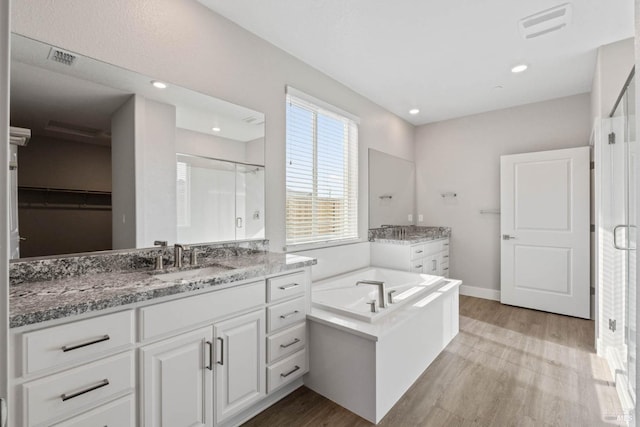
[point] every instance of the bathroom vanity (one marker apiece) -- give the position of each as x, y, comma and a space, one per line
416, 249
206, 346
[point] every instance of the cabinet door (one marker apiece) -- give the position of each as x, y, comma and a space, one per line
177, 381
240, 363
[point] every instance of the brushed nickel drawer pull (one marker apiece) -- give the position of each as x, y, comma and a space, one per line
210, 365
418, 266
295, 341
221, 362
287, 287
293, 313
290, 372
419, 252
445, 256
103, 383
85, 344
446, 268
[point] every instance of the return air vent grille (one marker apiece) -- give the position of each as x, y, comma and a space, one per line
62, 57
71, 129
545, 22
253, 120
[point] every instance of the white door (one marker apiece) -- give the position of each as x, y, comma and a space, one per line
240, 363
4, 194
544, 202
177, 381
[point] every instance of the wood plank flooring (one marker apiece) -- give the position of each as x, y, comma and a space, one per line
508, 366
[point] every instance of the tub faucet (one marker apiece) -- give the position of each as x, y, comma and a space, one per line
381, 293
178, 249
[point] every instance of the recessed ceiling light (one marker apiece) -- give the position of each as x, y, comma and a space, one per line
215, 129
519, 68
414, 111
158, 85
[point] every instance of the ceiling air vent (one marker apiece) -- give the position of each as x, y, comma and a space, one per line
253, 120
545, 22
61, 56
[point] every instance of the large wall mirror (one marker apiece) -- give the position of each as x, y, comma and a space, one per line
392, 190
115, 162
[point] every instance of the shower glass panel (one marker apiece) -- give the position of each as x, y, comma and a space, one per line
218, 200
623, 149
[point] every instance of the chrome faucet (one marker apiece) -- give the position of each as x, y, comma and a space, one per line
381, 293
159, 261
178, 250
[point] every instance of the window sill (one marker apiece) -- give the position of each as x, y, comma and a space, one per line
321, 245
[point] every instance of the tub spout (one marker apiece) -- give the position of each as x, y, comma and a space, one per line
381, 292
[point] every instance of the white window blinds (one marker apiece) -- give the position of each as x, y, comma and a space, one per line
322, 172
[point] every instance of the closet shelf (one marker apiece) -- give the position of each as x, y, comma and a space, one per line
63, 198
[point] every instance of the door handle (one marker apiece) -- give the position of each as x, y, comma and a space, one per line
615, 237
507, 237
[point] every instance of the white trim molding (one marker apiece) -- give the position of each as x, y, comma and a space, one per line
474, 291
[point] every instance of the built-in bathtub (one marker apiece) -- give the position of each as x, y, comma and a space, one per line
366, 361
341, 295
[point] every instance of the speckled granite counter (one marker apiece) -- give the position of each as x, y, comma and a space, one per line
38, 301
408, 235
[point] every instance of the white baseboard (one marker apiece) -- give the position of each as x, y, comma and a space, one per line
474, 291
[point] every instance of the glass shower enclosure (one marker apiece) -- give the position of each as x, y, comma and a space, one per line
616, 164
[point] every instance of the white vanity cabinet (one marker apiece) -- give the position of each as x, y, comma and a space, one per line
177, 380
240, 364
75, 373
431, 257
289, 302
212, 359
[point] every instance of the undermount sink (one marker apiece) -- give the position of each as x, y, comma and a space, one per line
192, 273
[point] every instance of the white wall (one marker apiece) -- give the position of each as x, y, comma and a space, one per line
156, 185
185, 43
4, 201
613, 65
213, 147
123, 176
463, 155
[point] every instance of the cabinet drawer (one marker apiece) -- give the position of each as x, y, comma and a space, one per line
417, 251
431, 248
183, 313
286, 342
286, 371
286, 313
77, 341
76, 389
119, 413
445, 271
286, 286
418, 266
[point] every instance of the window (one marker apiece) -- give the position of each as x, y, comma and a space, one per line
322, 172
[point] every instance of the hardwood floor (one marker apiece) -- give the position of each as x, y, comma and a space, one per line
508, 366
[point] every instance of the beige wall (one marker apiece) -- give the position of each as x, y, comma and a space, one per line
463, 155
185, 43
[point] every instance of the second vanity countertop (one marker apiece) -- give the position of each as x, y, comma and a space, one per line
35, 302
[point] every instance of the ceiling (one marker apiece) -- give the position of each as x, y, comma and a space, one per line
449, 58
82, 98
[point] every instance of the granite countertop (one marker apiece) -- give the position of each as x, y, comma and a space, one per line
39, 301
